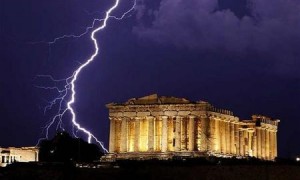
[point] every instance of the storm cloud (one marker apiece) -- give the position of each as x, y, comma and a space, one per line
269, 27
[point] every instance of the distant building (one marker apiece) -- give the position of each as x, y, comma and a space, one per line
12, 154
167, 127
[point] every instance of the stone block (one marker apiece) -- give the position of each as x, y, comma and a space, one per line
143, 114
157, 113
170, 113
184, 113
116, 114
129, 114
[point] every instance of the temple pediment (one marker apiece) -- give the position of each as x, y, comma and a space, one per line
155, 99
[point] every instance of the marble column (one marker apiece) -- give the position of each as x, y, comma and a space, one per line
267, 145
217, 136
191, 133
212, 138
227, 137
170, 136
158, 134
259, 154
124, 135
242, 141
150, 133
112, 136
254, 145
137, 134
246, 142
232, 147
204, 134
237, 139
250, 143
263, 143
275, 144
164, 143
178, 133
184, 129
271, 145
131, 135
36, 156
223, 136
198, 134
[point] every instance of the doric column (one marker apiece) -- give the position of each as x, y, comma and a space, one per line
191, 133
237, 139
124, 135
259, 154
158, 134
164, 143
275, 144
204, 134
242, 141
37, 156
227, 137
184, 129
112, 136
232, 147
220, 123
246, 143
131, 135
150, 133
199, 134
212, 138
263, 143
171, 134
254, 145
267, 145
271, 145
178, 133
223, 136
137, 134
250, 143
217, 136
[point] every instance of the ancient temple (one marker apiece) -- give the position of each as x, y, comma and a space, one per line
167, 127
13, 154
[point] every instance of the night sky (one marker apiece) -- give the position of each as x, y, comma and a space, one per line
241, 55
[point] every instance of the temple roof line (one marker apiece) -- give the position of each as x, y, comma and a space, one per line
155, 99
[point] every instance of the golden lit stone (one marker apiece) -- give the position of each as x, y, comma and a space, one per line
163, 127
13, 154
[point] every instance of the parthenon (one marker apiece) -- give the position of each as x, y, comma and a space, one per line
165, 127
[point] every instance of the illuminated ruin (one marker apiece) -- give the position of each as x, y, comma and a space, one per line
23, 154
164, 127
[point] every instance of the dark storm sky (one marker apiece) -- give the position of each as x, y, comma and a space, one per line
236, 54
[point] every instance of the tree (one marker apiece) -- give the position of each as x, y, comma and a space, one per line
64, 148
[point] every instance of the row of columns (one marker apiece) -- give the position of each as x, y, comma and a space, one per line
224, 137
257, 142
228, 137
8, 159
191, 133
266, 143
176, 134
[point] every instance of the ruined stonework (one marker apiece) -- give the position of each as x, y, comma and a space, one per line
167, 127
12, 154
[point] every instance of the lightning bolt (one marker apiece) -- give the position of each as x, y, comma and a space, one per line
66, 95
